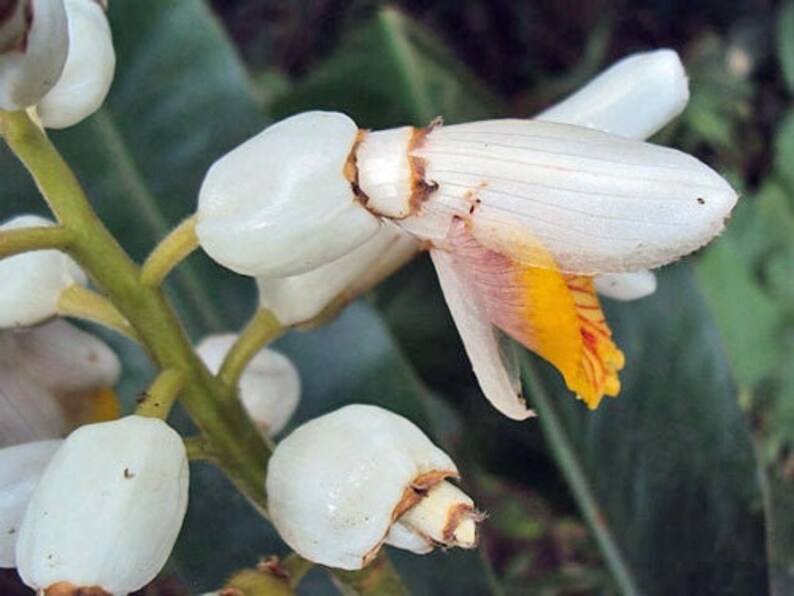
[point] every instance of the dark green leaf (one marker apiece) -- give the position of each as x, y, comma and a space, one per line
392, 73
785, 40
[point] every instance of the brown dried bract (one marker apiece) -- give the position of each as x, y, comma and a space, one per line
67, 589
350, 170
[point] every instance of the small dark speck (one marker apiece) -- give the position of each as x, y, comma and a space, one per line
128, 474
701, 201
12, 531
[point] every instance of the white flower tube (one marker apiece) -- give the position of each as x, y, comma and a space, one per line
300, 298
282, 203
53, 378
21, 467
88, 71
32, 282
633, 98
342, 485
269, 387
30, 67
107, 510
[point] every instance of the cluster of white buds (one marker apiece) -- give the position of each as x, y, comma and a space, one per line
522, 218
56, 56
344, 484
269, 387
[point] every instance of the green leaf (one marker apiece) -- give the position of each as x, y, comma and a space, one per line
665, 474
785, 42
784, 147
392, 72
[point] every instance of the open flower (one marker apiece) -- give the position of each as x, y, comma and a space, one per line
269, 388
53, 378
519, 216
107, 509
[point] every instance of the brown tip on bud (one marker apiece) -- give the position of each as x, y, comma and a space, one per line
350, 170
67, 589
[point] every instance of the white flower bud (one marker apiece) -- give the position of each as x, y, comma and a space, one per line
626, 286
342, 485
269, 388
282, 203
21, 467
88, 71
31, 67
107, 510
53, 378
32, 282
300, 298
633, 98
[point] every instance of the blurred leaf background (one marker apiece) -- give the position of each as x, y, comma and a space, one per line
685, 483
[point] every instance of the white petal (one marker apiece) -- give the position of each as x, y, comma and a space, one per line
633, 98
280, 204
598, 203
107, 509
626, 286
334, 483
481, 341
302, 297
32, 282
27, 74
21, 467
88, 71
270, 387
405, 537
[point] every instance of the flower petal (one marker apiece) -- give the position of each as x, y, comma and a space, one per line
556, 316
626, 286
598, 203
480, 339
633, 98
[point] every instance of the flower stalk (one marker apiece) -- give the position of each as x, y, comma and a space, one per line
14, 242
161, 395
243, 454
173, 249
81, 303
260, 331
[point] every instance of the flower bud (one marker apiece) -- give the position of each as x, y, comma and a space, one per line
281, 203
300, 298
32, 282
53, 378
626, 286
30, 64
269, 388
21, 466
342, 485
88, 71
107, 510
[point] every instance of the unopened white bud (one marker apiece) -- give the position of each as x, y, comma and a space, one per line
269, 387
21, 466
282, 203
342, 485
88, 71
54, 377
32, 282
32, 64
633, 98
300, 298
107, 510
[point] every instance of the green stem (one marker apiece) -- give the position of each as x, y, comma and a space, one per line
14, 242
198, 449
173, 249
81, 303
242, 452
161, 395
260, 330
577, 481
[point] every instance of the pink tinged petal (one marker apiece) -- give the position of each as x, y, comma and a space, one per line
480, 339
598, 203
633, 98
